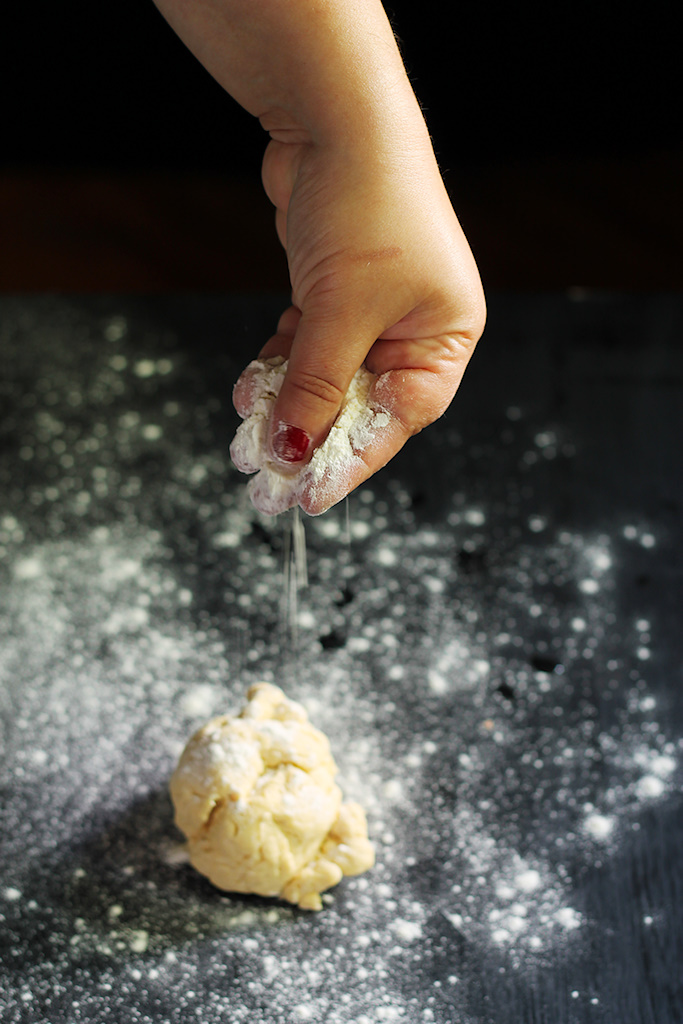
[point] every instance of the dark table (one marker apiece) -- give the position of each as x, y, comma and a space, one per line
491, 637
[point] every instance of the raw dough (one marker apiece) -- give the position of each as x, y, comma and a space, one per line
256, 797
275, 487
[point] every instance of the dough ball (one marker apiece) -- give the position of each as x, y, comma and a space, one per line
256, 798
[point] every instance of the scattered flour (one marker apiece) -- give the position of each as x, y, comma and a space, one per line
452, 682
599, 826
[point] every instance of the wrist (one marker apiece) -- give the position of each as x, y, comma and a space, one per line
342, 83
316, 71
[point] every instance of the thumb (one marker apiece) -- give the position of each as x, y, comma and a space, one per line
323, 358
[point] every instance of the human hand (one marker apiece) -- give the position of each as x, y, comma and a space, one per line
380, 270
381, 275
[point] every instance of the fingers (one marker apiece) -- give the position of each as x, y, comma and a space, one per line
323, 357
308, 399
418, 379
325, 351
415, 383
244, 391
318, 496
413, 398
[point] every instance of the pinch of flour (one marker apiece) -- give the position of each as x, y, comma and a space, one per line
276, 488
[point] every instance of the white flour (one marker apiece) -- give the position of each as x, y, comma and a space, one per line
502, 728
275, 488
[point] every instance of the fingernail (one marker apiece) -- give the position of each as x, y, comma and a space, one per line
290, 444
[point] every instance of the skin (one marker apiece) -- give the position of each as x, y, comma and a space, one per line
380, 269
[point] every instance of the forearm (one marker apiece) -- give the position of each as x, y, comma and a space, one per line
321, 71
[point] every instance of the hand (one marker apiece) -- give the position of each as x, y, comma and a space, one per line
380, 270
381, 274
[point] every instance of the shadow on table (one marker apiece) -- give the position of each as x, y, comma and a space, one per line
128, 890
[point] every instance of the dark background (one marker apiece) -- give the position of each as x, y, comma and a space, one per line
123, 165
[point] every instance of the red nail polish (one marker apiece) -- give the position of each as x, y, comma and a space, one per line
290, 444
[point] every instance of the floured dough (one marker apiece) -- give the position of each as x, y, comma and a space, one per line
256, 797
276, 487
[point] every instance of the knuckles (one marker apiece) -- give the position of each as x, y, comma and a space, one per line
321, 391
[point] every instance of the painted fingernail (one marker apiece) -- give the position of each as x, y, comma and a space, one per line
290, 444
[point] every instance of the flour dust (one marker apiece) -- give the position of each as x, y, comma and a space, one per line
485, 697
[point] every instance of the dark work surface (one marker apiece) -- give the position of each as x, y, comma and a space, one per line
490, 636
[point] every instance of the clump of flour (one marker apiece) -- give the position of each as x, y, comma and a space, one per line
327, 476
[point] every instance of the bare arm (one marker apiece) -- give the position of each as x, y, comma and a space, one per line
381, 272
320, 69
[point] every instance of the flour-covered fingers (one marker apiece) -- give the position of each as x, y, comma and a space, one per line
245, 390
331, 485
398, 405
325, 354
377, 416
